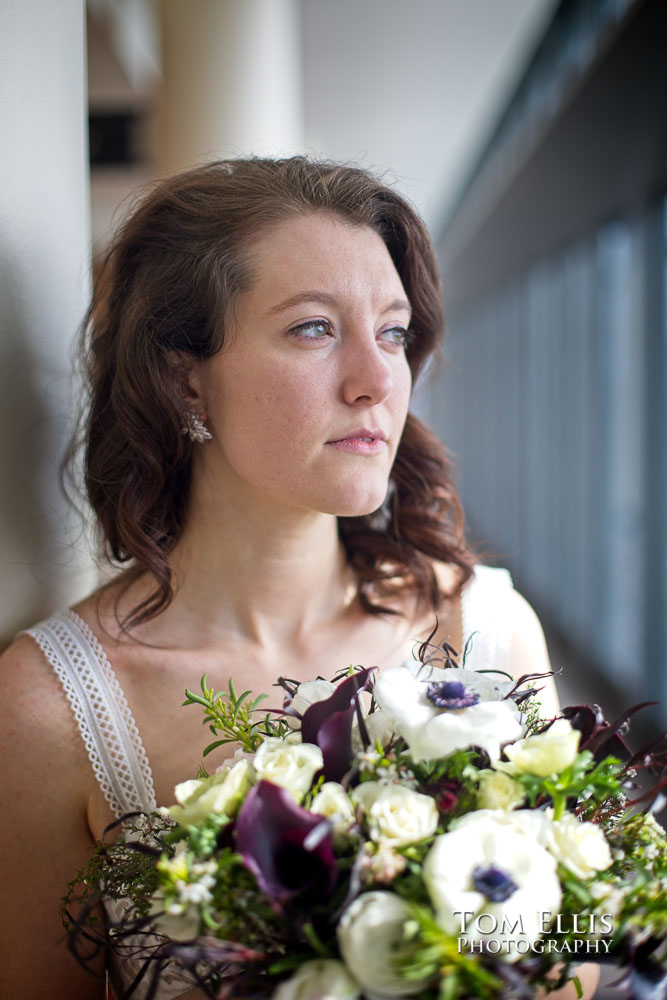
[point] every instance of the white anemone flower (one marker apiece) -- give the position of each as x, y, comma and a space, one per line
437, 711
488, 880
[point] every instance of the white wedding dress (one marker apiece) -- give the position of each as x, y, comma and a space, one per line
112, 739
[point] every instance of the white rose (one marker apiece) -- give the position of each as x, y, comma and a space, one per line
222, 792
321, 979
306, 695
229, 762
433, 724
396, 815
489, 866
498, 790
333, 802
581, 847
369, 932
292, 766
545, 753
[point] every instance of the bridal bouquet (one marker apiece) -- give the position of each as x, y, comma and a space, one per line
418, 834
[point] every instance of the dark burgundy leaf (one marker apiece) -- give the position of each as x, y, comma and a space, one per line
608, 740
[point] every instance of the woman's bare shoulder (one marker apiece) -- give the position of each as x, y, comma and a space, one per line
35, 715
38, 731
44, 838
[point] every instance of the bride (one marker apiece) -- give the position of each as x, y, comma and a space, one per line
251, 348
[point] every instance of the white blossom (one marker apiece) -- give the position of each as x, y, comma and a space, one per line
307, 694
396, 815
292, 766
430, 725
544, 753
222, 792
369, 932
486, 866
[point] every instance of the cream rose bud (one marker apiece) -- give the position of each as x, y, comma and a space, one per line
498, 790
321, 979
333, 802
396, 815
290, 765
306, 695
369, 933
545, 753
222, 792
228, 764
581, 847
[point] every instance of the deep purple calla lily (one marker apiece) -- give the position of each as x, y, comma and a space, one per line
276, 839
328, 724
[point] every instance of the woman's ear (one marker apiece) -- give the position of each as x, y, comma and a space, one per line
196, 394
189, 382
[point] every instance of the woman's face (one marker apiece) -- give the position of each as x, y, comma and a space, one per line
313, 367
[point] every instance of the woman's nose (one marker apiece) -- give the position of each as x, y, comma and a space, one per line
368, 376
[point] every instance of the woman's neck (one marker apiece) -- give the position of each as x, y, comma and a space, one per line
251, 571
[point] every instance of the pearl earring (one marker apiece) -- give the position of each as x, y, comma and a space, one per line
195, 429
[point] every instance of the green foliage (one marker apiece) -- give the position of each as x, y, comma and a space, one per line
232, 715
580, 780
124, 870
460, 766
428, 953
530, 715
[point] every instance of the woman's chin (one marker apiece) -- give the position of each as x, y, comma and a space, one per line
357, 502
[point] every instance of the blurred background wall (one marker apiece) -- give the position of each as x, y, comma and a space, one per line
529, 133
44, 287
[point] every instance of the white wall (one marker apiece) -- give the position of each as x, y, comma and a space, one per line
44, 284
413, 88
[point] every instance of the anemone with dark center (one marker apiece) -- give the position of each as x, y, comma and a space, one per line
450, 694
493, 883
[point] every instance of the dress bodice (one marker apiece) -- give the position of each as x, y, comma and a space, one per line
111, 735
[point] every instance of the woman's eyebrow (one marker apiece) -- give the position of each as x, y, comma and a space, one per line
329, 300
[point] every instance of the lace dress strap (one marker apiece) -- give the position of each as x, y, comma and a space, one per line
101, 711
485, 618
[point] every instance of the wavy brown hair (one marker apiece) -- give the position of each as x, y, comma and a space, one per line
162, 301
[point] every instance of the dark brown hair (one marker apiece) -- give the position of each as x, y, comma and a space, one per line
162, 298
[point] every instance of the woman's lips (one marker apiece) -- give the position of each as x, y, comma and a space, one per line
362, 442
361, 446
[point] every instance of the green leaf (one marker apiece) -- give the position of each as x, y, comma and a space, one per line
195, 699
314, 941
214, 746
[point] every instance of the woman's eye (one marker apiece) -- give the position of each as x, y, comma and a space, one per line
397, 335
315, 329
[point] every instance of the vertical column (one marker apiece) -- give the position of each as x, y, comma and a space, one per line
232, 80
44, 284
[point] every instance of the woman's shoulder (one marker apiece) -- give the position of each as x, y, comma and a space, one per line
33, 703
45, 836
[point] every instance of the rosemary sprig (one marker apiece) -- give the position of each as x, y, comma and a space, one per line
232, 715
